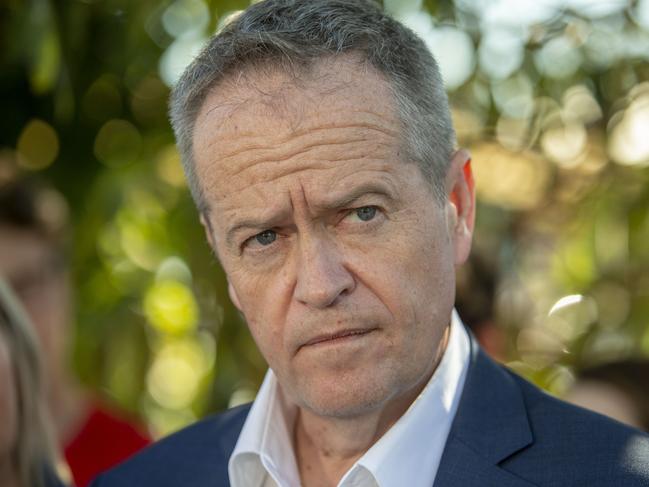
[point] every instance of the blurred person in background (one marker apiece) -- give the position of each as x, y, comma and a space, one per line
26, 452
33, 231
619, 390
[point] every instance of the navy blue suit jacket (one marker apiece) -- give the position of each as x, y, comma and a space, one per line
506, 433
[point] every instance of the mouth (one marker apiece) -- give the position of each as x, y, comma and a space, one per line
338, 337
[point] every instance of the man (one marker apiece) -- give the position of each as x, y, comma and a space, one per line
33, 226
318, 145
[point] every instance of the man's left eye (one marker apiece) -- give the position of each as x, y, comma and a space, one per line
266, 237
365, 213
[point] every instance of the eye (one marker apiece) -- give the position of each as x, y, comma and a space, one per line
366, 213
261, 243
266, 237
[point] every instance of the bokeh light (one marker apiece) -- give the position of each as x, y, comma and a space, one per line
103, 100
454, 51
559, 58
174, 377
514, 96
513, 180
149, 101
186, 17
38, 145
501, 53
629, 143
44, 50
118, 143
169, 168
178, 56
170, 307
141, 238
641, 13
579, 104
564, 144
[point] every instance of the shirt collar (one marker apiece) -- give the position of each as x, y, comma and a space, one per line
417, 439
265, 444
409, 453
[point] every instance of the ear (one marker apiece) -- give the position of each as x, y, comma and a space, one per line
233, 296
207, 227
461, 204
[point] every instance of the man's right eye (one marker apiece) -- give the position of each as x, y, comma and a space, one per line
265, 238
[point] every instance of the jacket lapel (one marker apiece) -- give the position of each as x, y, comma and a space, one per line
461, 466
490, 425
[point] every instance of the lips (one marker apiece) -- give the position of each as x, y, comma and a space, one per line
339, 335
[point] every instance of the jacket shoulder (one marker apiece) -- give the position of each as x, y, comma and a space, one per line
575, 446
194, 456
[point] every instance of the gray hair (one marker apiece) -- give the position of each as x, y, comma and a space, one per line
33, 453
293, 33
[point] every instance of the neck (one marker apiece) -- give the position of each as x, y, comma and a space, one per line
327, 447
8, 473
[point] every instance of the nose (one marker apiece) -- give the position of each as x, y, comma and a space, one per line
321, 274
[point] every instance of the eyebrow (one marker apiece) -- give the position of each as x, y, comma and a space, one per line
336, 201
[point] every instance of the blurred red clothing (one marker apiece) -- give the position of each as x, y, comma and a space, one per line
103, 441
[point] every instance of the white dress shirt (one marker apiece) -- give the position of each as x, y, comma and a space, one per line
407, 454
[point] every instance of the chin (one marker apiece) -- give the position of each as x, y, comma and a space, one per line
345, 397
343, 407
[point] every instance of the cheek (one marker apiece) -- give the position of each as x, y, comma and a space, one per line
268, 337
417, 270
264, 302
414, 281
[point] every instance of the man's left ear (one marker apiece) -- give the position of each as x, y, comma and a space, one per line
207, 228
461, 204
234, 297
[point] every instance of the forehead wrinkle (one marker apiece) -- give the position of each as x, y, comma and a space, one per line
233, 110
295, 137
340, 193
299, 202
255, 199
235, 132
268, 166
224, 202
270, 169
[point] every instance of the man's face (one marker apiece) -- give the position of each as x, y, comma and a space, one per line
336, 250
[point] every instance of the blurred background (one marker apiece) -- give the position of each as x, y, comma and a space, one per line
551, 97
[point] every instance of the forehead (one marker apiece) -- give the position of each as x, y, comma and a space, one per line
261, 119
288, 95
